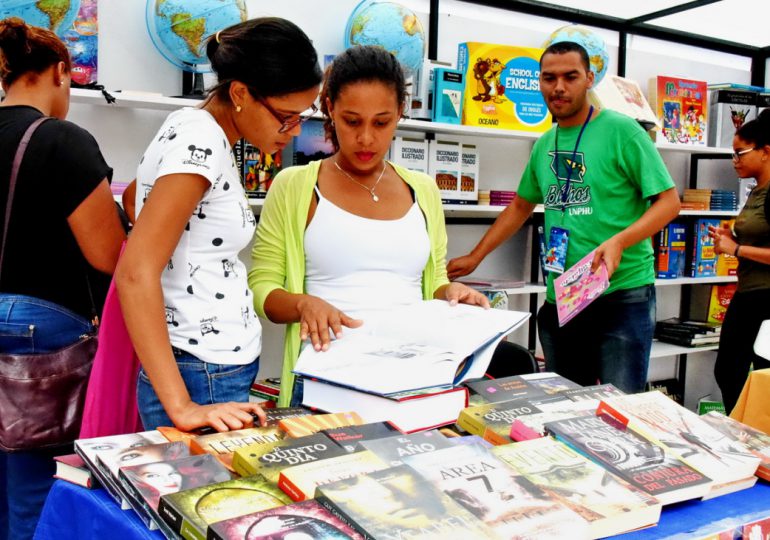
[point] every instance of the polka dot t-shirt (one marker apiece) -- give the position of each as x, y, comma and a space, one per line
209, 306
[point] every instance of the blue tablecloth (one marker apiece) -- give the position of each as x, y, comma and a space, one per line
75, 513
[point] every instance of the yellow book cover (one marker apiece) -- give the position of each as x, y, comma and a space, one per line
727, 265
720, 299
300, 426
502, 87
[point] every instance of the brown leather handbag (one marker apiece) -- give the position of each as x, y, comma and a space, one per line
41, 395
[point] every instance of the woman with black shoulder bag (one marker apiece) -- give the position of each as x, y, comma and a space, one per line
61, 240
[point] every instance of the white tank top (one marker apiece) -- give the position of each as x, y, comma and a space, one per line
365, 266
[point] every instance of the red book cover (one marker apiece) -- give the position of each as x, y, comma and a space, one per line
681, 106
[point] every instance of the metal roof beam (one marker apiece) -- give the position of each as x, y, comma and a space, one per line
670, 11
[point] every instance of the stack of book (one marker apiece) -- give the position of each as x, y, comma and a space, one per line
439, 346
696, 199
723, 200
687, 333
265, 389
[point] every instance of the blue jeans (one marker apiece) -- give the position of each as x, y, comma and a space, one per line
207, 383
31, 325
609, 342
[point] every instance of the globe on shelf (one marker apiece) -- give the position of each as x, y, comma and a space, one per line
390, 25
592, 42
55, 15
179, 28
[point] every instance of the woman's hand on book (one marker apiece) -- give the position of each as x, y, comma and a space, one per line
317, 318
221, 416
459, 293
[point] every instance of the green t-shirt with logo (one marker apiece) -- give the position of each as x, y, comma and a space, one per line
616, 170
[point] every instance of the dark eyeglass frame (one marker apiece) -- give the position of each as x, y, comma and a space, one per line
737, 155
288, 122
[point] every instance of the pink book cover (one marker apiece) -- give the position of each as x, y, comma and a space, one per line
577, 287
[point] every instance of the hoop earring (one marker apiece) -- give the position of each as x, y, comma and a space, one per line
237, 108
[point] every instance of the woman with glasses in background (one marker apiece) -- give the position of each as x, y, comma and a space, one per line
183, 290
750, 242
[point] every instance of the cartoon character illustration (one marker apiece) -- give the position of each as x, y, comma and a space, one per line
483, 88
738, 117
496, 89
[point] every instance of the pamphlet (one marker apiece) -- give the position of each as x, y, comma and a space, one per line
578, 286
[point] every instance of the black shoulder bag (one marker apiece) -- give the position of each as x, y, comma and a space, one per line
41, 395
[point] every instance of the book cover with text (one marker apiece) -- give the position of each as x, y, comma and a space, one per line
577, 287
681, 106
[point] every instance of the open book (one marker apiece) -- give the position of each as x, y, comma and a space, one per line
426, 344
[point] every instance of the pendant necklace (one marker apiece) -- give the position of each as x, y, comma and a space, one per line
375, 198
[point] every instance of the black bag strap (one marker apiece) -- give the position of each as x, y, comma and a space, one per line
17, 159
767, 206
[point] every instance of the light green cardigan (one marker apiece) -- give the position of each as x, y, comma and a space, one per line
278, 256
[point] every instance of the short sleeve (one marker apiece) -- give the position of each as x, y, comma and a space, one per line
642, 163
528, 186
76, 164
193, 148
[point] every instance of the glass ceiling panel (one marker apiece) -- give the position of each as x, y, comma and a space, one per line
622, 9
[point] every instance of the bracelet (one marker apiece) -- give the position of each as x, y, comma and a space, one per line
737, 250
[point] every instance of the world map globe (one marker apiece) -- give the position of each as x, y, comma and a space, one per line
179, 28
55, 15
391, 26
592, 42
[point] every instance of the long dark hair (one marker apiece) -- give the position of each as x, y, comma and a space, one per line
757, 131
270, 55
28, 49
359, 64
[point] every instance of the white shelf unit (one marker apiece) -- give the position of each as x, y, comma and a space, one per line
662, 350
528, 288
696, 280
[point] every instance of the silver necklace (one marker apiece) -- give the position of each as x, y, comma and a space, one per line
375, 198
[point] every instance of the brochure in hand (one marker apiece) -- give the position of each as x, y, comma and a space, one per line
577, 287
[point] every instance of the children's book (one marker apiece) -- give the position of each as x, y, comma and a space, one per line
626, 97
629, 455
145, 483
422, 345
223, 445
681, 106
719, 300
300, 481
269, 459
498, 495
727, 265
393, 450
259, 170
683, 433
191, 511
302, 520
399, 503
577, 287
90, 449
704, 256
672, 251
609, 504
82, 41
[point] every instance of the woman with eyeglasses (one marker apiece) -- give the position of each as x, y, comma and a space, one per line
343, 239
183, 289
750, 242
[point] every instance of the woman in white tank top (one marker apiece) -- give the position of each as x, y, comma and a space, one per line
343, 239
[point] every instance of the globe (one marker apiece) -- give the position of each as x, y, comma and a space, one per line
391, 26
179, 28
592, 42
55, 15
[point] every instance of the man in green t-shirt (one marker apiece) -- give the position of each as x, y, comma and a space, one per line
600, 177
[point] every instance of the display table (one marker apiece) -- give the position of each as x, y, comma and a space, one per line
75, 513
753, 407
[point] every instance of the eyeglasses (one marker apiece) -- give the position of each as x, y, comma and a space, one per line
288, 122
738, 154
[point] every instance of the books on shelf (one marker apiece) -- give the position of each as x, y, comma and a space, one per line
502, 88
422, 97
448, 87
306, 519
727, 265
410, 153
719, 300
259, 169
631, 456
671, 250
578, 287
682, 432
729, 109
687, 333
501, 497
609, 504
491, 284
704, 256
681, 106
399, 503
191, 511
624, 96
408, 411
73, 469
435, 343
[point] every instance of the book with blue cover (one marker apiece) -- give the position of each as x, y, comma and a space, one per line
448, 95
